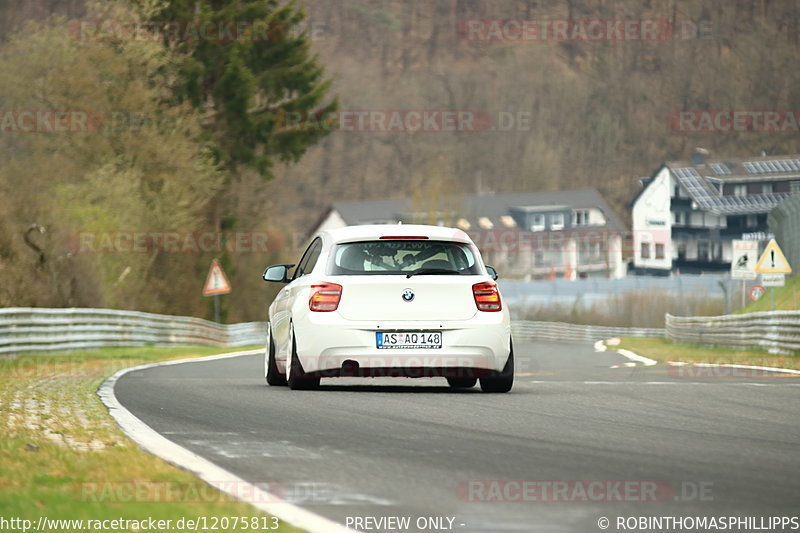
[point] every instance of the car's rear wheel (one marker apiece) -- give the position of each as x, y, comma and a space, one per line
298, 379
274, 377
462, 383
502, 381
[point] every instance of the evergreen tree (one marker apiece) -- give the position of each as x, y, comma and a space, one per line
247, 84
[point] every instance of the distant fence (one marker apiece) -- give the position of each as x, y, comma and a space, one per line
776, 331
25, 329
527, 330
784, 222
38, 330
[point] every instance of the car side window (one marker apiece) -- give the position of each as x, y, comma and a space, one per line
309, 259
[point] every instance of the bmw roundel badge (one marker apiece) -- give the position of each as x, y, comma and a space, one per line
408, 295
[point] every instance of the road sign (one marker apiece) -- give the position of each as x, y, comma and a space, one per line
756, 292
216, 282
745, 255
773, 261
773, 280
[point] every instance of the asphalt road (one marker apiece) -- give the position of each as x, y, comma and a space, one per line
700, 443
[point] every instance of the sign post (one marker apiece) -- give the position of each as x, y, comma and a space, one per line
743, 262
773, 266
216, 283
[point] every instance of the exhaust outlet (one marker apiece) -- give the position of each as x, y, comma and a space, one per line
350, 368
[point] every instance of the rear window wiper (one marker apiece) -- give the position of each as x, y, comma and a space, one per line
424, 271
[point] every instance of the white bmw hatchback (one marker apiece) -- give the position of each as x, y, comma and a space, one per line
389, 300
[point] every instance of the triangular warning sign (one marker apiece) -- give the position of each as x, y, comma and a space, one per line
216, 282
773, 261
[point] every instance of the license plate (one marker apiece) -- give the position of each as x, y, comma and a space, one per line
408, 339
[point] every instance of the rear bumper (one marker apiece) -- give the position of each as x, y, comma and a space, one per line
332, 346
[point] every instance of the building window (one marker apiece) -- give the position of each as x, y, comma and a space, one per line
659, 251
580, 217
794, 187
678, 217
702, 251
740, 190
557, 221
766, 188
538, 258
595, 249
717, 251
752, 221
645, 251
677, 191
537, 223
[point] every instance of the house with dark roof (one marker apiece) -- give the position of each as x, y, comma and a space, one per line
688, 213
536, 234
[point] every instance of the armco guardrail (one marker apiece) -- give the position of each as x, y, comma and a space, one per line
526, 330
775, 331
37, 330
25, 330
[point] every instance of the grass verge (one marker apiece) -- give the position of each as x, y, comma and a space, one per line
662, 350
787, 298
63, 457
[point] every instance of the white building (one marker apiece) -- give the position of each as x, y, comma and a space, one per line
689, 212
538, 235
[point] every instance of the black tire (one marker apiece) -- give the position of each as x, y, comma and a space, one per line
274, 377
502, 381
462, 383
297, 377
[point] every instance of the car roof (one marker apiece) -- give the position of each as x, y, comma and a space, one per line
376, 231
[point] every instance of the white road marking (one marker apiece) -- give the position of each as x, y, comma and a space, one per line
235, 448
636, 357
221, 479
750, 367
316, 493
600, 346
748, 383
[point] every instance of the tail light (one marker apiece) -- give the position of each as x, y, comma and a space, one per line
487, 297
325, 297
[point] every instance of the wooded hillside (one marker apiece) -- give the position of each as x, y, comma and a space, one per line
585, 114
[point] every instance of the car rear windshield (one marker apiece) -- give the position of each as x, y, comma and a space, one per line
398, 256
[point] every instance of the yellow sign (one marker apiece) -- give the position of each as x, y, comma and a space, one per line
773, 261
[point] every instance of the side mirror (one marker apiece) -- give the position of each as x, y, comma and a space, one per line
492, 272
277, 273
